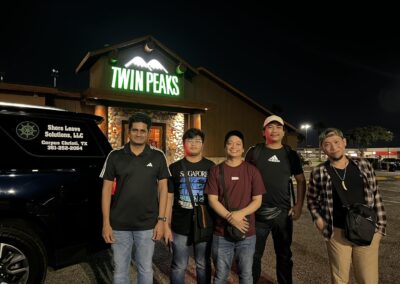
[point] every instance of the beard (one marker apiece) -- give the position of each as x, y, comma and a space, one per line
335, 159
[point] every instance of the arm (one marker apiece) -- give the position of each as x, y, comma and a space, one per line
105, 208
241, 224
237, 216
378, 206
162, 205
295, 212
312, 202
168, 214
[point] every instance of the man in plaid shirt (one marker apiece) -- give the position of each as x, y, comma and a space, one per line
357, 179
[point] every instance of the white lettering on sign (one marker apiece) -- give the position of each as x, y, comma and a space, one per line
71, 138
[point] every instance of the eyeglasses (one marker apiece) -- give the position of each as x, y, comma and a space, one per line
194, 141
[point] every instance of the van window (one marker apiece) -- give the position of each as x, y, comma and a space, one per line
52, 137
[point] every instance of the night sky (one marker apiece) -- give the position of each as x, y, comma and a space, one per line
313, 64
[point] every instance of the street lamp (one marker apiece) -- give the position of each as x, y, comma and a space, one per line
305, 126
54, 74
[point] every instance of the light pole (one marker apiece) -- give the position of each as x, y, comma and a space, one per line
54, 74
305, 126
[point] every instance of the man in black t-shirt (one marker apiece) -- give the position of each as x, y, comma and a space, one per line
353, 179
135, 214
181, 215
277, 163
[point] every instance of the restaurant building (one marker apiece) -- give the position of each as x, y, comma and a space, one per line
144, 75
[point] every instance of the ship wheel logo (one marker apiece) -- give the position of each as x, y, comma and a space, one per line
27, 130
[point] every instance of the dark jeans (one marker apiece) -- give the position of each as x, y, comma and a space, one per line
282, 230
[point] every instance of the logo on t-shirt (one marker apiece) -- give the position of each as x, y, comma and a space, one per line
274, 159
149, 165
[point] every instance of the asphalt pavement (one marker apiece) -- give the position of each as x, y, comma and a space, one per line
309, 252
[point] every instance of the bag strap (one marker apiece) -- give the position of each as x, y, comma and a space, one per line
336, 184
222, 182
188, 186
291, 163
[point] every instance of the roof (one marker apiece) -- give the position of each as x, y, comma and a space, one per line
228, 86
92, 56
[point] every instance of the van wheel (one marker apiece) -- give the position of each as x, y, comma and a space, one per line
22, 256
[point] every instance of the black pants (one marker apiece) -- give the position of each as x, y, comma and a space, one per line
282, 230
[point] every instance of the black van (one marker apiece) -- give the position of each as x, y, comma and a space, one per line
50, 190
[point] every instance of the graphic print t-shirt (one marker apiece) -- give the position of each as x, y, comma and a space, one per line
182, 209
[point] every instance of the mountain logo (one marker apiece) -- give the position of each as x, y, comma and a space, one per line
149, 165
152, 65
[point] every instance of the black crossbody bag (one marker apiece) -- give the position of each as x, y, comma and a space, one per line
202, 216
360, 222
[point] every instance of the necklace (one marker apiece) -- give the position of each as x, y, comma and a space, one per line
344, 175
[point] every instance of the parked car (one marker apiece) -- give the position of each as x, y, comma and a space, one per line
376, 164
304, 161
390, 164
50, 190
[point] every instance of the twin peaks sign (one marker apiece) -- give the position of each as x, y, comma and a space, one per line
140, 76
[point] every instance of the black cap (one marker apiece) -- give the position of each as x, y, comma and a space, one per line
234, 133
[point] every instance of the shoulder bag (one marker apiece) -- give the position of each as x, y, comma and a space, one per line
360, 222
202, 216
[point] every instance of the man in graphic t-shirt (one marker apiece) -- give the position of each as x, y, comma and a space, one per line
197, 168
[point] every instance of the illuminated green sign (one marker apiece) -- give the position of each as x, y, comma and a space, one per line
142, 81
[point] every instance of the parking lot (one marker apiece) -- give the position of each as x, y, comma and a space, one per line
309, 253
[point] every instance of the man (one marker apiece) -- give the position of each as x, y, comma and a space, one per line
244, 189
357, 181
277, 163
137, 215
197, 169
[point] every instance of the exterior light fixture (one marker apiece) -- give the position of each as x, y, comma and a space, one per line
149, 46
180, 69
113, 57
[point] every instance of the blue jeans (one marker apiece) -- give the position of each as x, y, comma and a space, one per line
180, 258
122, 254
223, 252
282, 231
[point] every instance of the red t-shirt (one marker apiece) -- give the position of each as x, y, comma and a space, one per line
242, 183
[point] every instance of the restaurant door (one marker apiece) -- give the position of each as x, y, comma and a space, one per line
156, 136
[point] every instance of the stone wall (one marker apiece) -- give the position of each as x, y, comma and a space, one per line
174, 128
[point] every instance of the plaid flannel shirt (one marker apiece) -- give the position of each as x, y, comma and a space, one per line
320, 200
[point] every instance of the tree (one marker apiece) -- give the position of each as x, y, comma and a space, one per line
362, 137
319, 127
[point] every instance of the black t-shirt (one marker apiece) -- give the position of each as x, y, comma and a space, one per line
354, 193
276, 168
182, 209
135, 202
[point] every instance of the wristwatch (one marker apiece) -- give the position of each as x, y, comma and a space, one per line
164, 219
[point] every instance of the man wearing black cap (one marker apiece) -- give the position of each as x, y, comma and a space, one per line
234, 190
277, 163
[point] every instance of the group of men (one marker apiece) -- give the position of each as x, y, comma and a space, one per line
151, 202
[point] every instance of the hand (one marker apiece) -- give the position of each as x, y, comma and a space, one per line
167, 234
158, 231
108, 235
320, 224
239, 220
295, 212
